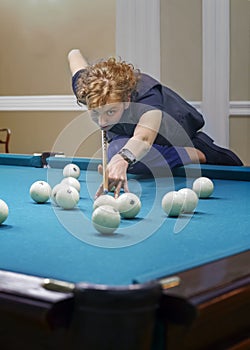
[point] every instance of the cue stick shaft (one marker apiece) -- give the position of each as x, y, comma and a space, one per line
104, 162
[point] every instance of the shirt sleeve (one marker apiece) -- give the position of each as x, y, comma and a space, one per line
75, 80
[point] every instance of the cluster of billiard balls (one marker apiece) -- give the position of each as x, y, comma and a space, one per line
65, 194
175, 203
107, 211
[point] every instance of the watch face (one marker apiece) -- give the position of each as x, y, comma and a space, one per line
128, 156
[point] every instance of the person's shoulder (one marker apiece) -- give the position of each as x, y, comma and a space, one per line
145, 84
147, 80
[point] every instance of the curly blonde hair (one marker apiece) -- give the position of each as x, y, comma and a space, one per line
105, 82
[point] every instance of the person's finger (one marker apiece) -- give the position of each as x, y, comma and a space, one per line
118, 189
100, 169
99, 191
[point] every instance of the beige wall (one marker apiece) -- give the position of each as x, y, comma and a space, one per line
34, 132
181, 47
240, 75
240, 50
36, 36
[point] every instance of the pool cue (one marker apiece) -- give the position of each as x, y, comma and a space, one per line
104, 162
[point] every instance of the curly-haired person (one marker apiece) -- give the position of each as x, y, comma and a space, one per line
149, 126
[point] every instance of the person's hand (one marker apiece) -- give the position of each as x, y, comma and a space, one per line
117, 176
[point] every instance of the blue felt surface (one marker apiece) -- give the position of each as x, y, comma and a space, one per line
42, 240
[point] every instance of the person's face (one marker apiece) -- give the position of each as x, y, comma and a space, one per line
108, 115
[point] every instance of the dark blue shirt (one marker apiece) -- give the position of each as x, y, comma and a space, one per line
180, 120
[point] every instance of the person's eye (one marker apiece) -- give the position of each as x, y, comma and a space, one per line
111, 112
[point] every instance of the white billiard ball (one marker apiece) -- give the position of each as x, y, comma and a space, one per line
71, 170
190, 200
172, 203
67, 197
40, 191
72, 181
129, 205
54, 191
4, 211
106, 219
105, 199
203, 187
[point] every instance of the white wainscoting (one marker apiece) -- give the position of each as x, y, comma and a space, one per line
40, 103
68, 103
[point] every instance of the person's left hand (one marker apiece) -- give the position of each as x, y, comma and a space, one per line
117, 176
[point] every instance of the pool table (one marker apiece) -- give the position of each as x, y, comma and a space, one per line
158, 283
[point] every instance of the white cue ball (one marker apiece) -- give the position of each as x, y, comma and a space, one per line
190, 200
67, 197
71, 170
203, 187
72, 181
4, 211
105, 199
129, 205
172, 203
40, 191
106, 219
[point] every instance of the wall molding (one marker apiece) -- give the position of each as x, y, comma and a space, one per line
216, 57
68, 103
238, 108
138, 34
40, 103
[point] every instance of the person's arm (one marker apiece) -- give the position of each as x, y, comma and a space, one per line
76, 61
144, 134
138, 146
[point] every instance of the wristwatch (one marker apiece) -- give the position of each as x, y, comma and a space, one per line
128, 156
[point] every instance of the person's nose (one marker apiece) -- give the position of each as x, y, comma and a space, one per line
102, 121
